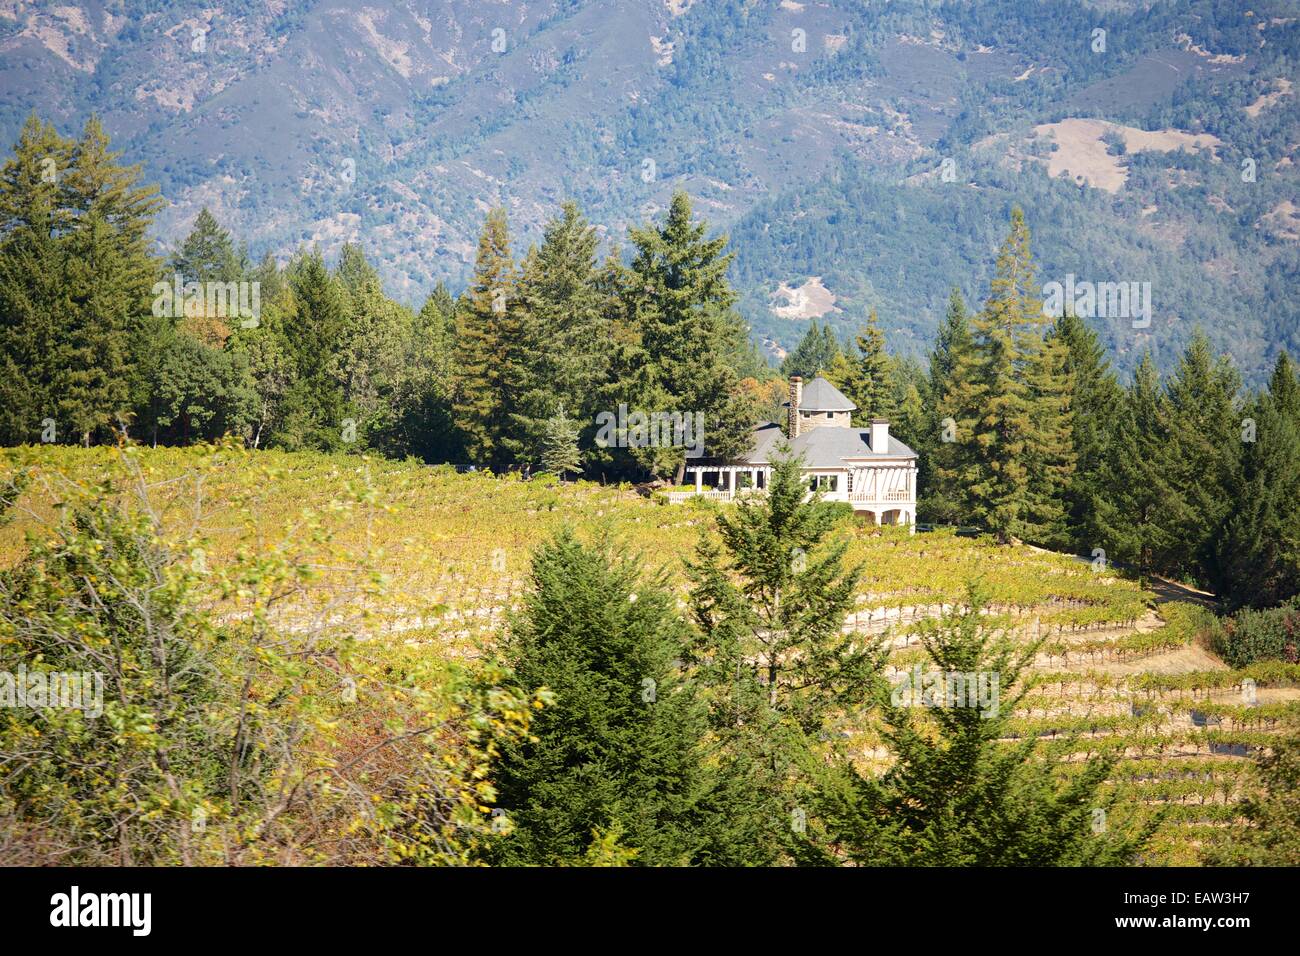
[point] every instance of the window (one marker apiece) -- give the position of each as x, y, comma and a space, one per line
830, 414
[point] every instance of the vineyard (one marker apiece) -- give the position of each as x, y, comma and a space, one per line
1118, 669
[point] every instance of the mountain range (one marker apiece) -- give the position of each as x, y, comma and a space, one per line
861, 155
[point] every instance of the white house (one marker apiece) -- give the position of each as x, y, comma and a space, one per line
866, 467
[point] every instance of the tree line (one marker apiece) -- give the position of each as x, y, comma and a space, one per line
1022, 427
513, 370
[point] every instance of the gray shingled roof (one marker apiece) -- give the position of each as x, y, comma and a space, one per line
820, 395
824, 447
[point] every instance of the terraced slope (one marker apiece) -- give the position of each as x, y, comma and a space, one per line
1119, 669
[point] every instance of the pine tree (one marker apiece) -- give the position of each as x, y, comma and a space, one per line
621, 747
313, 408
1050, 455
1096, 403
1133, 503
208, 254
108, 273
1007, 398
74, 282
871, 387
368, 363
424, 406
816, 354
560, 289
690, 331
560, 452
33, 220
956, 795
491, 360
1203, 431
770, 606
1256, 550
940, 467
953, 341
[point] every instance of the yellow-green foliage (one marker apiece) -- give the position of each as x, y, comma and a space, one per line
414, 567
246, 718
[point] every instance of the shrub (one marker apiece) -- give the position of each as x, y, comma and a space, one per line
1268, 635
229, 717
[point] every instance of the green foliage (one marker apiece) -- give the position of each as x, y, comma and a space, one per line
560, 452
870, 384
956, 795
1272, 837
210, 738
1251, 636
1007, 398
1255, 554
75, 270
771, 653
620, 751
814, 355
208, 255
677, 287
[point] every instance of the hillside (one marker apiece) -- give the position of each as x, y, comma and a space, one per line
1120, 669
867, 152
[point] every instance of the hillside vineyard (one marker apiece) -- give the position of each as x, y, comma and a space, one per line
670, 434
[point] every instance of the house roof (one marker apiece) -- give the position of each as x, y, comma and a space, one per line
820, 395
821, 447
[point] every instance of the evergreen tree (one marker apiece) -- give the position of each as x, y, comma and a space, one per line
939, 467
424, 406
691, 332
560, 453
208, 254
953, 341
491, 360
1007, 398
1203, 432
770, 606
871, 387
815, 354
108, 273
1133, 503
75, 275
33, 296
368, 363
313, 408
1096, 403
560, 290
1050, 452
956, 795
1256, 551
621, 747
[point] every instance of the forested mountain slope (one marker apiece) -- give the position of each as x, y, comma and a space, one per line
861, 154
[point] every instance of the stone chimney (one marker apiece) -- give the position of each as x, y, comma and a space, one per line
880, 435
796, 399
